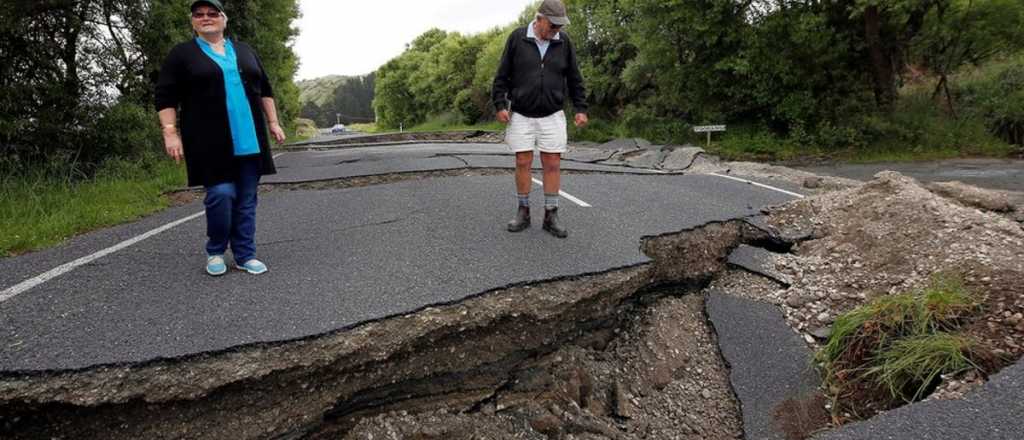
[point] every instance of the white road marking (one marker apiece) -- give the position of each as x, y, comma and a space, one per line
567, 196
801, 196
279, 155
26, 285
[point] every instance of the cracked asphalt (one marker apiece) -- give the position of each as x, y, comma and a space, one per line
340, 257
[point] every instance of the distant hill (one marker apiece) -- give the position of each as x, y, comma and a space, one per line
319, 90
323, 99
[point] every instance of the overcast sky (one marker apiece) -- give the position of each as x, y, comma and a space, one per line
355, 37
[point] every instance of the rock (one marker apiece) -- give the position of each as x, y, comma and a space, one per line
812, 182
623, 406
1015, 319
705, 394
796, 300
547, 424
973, 196
821, 332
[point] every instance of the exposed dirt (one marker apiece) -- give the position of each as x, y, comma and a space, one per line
889, 236
659, 377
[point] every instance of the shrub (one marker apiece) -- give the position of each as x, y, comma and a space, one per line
127, 130
645, 123
996, 95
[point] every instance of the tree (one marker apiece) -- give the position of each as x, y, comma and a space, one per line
267, 26
966, 32
76, 75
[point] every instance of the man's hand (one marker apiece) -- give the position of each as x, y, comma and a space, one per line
503, 117
277, 132
581, 120
172, 144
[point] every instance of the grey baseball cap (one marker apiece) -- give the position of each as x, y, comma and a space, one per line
216, 4
554, 11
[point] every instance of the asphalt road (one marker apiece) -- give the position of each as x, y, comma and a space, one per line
337, 257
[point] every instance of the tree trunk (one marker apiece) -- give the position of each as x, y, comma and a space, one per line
882, 70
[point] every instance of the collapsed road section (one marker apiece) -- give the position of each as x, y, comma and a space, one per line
518, 354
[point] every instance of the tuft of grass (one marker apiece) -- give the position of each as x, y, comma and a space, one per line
894, 348
41, 208
946, 304
855, 334
909, 367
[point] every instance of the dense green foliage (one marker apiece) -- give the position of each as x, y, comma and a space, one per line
76, 75
800, 75
333, 99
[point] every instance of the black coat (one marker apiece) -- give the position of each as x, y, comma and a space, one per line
537, 87
194, 84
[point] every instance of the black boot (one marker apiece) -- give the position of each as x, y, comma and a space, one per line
551, 223
522, 220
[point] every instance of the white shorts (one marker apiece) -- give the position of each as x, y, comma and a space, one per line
547, 134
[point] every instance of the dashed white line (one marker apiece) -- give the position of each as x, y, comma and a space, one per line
567, 196
801, 196
26, 285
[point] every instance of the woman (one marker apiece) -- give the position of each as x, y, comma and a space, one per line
227, 106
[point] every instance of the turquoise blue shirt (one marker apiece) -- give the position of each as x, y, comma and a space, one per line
243, 128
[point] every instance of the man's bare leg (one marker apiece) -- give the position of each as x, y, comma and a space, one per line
552, 164
524, 181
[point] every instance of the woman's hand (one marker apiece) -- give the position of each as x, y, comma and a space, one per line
172, 144
277, 132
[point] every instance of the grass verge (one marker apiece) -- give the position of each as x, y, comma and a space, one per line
42, 208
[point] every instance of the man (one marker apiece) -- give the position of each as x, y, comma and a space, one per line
538, 65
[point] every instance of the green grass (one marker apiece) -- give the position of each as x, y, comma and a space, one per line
365, 128
42, 208
908, 367
893, 348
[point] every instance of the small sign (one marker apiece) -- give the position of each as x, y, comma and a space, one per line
708, 128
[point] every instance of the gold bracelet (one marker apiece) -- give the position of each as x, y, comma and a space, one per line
166, 126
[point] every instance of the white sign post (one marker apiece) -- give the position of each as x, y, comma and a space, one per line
708, 129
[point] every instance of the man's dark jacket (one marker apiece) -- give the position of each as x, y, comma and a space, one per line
193, 83
536, 87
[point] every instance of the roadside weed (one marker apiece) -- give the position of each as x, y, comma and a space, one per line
895, 348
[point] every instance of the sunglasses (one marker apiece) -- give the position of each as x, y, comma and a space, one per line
198, 15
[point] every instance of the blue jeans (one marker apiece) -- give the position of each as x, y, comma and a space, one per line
231, 213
